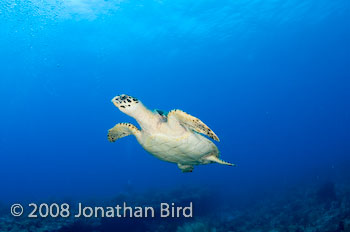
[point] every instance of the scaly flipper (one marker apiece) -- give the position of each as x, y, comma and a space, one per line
192, 122
217, 160
185, 168
121, 130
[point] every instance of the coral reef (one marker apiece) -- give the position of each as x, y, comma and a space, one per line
311, 210
195, 227
12, 224
319, 208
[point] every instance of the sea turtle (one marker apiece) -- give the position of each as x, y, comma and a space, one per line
175, 136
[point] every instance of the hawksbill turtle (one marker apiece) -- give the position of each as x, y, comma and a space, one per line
175, 136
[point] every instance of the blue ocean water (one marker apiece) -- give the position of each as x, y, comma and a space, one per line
271, 78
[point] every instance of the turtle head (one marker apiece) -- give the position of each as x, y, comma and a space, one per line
127, 104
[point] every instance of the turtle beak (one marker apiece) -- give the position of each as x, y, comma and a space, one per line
115, 101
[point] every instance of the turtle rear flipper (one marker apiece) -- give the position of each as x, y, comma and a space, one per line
121, 130
215, 159
185, 168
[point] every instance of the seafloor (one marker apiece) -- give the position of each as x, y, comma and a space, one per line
311, 208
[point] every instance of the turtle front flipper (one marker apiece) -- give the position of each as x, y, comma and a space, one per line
121, 130
192, 123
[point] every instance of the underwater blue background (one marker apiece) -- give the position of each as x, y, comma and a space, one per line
270, 78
